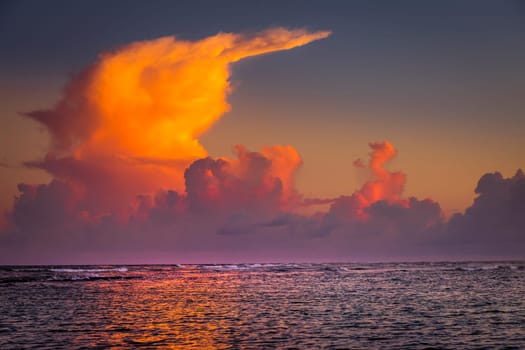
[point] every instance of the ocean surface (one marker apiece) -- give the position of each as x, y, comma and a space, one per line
265, 306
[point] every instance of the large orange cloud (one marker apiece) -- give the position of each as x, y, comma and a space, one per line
152, 99
133, 117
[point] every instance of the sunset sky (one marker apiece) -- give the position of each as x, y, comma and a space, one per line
112, 109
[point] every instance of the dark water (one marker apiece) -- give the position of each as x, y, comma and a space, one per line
251, 306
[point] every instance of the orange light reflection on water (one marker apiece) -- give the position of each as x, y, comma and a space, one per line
172, 313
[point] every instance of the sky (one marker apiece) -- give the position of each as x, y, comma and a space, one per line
201, 131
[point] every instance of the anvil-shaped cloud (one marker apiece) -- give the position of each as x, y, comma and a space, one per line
140, 110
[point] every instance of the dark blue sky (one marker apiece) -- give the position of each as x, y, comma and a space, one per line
69, 33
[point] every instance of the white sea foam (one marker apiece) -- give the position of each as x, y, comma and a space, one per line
490, 267
247, 266
224, 267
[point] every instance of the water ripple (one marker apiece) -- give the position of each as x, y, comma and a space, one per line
252, 306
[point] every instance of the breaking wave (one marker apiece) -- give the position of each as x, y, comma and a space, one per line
72, 270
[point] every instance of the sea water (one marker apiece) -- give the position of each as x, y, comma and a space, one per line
264, 306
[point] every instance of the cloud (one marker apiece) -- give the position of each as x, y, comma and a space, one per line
376, 220
152, 99
261, 181
140, 109
495, 223
44, 207
234, 208
382, 185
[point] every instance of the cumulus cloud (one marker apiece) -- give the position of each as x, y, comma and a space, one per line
495, 223
383, 185
376, 220
255, 180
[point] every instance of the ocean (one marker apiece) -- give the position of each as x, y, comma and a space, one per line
475, 305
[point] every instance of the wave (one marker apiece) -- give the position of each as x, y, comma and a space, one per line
271, 267
351, 269
63, 278
27, 269
224, 267
70, 270
92, 277
489, 267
